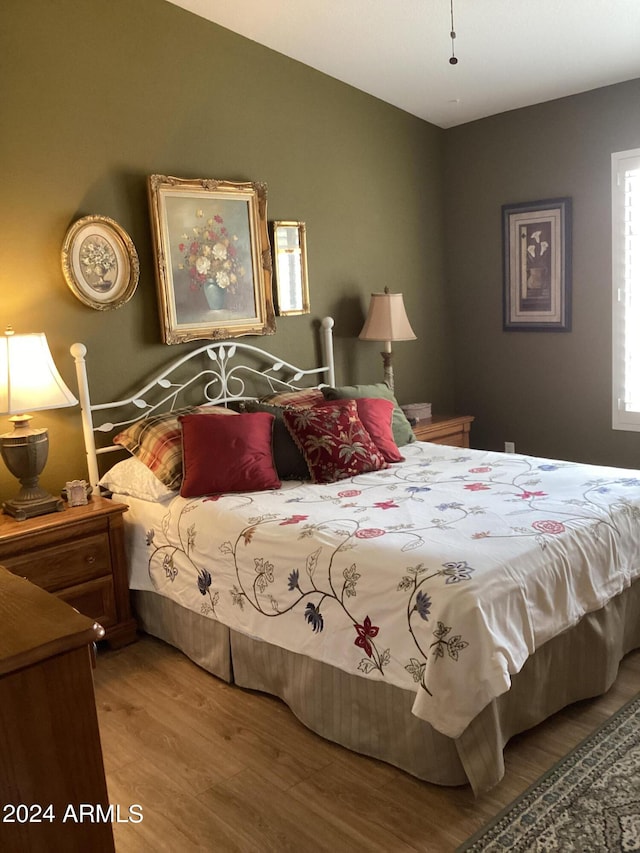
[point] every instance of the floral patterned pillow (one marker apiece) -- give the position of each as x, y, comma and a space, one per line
376, 415
333, 441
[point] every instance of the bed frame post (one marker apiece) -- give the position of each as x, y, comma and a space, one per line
79, 351
326, 332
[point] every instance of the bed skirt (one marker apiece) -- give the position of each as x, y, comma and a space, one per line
203, 640
375, 719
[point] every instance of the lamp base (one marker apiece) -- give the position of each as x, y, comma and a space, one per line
24, 452
21, 510
388, 368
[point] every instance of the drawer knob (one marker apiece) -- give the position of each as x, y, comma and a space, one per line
91, 560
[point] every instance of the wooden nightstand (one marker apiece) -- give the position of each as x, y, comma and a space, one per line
77, 554
445, 429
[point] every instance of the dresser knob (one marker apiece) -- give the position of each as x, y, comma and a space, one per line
91, 560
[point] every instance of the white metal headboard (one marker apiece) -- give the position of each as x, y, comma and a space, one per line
224, 378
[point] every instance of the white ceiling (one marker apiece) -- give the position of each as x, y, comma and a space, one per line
512, 53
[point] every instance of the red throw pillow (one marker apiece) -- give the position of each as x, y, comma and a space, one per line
157, 441
227, 454
377, 415
333, 441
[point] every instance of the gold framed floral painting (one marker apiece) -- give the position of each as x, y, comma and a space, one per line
213, 258
100, 263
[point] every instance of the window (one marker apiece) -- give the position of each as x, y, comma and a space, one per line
625, 182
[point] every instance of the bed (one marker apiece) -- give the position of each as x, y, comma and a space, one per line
413, 602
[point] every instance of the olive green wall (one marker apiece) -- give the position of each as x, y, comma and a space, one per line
548, 392
98, 94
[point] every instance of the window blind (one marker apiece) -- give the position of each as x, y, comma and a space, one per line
626, 288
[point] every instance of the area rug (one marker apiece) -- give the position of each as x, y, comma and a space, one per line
588, 802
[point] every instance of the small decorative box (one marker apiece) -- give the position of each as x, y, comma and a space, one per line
417, 411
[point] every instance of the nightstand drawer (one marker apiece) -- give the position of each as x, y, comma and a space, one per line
455, 439
444, 429
94, 598
64, 565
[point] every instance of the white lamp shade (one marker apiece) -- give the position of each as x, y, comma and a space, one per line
29, 379
387, 319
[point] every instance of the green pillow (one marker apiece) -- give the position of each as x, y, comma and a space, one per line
400, 426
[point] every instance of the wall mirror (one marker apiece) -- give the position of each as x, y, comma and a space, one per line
290, 268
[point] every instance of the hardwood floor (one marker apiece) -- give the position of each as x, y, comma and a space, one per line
218, 768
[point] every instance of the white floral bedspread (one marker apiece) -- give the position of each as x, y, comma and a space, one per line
440, 575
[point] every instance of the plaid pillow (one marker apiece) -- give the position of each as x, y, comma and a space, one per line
157, 442
302, 399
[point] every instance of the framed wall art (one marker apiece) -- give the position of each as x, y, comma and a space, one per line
213, 258
290, 267
537, 265
100, 263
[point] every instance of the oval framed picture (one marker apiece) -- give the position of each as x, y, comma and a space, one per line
100, 262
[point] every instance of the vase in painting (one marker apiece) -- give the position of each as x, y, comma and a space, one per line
214, 295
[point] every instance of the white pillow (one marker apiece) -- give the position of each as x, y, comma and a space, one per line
132, 477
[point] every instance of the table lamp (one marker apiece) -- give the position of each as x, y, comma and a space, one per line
29, 381
387, 321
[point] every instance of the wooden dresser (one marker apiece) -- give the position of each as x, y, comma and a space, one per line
78, 554
445, 429
50, 752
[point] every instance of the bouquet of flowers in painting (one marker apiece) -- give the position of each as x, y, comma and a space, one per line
99, 263
212, 259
